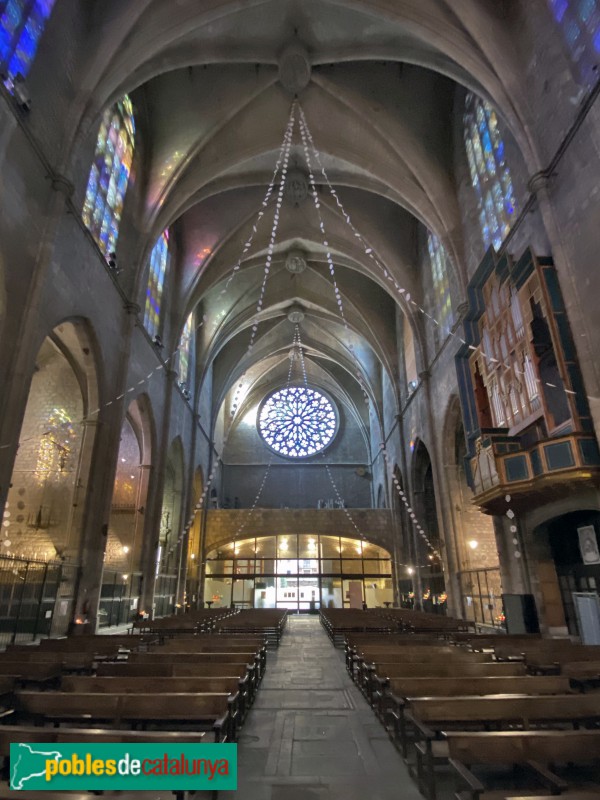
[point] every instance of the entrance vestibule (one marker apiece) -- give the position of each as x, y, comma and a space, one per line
302, 573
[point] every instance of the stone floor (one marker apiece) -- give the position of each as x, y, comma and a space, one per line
310, 734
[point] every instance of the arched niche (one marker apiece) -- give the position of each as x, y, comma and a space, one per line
425, 508
565, 553
43, 517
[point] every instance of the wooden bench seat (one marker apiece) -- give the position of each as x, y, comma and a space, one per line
398, 689
379, 662
122, 685
532, 750
74, 661
375, 681
444, 670
34, 733
41, 673
255, 661
547, 652
583, 675
425, 717
164, 669
199, 645
216, 712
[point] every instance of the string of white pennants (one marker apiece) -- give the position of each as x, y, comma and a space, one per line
281, 168
306, 134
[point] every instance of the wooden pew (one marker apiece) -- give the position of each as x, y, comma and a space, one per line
253, 660
532, 750
582, 674
197, 662
192, 685
41, 673
449, 670
98, 642
372, 661
425, 717
206, 711
376, 682
151, 669
356, 644
546, 653
75, 661
398, 689
214, 644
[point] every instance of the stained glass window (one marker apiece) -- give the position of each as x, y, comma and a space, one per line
580, 24
185, 345
441, 285
159, 261
109, 175
22, 23
297, 422
490, 174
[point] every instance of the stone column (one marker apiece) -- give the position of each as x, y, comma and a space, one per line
155, 500
449, 555
513, 568
188, 512
101, 484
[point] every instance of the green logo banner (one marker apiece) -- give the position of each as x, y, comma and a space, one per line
121, 767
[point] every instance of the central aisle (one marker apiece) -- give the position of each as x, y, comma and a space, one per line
310, 734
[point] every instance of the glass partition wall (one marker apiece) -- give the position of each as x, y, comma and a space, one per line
300, 572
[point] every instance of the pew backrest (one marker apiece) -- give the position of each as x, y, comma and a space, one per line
450, 687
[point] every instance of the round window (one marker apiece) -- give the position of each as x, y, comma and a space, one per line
297, 422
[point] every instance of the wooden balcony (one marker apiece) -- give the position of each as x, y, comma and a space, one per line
546, 470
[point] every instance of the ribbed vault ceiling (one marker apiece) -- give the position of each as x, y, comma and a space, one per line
379, 104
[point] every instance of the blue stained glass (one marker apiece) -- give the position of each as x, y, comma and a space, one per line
573, 32
159, 260
586, 9
490, 174
4, 46
109, 176
21, 26
580, 23
297, 422
442, 303
560, 8
12, 16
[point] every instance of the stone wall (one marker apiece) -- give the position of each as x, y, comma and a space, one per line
222, 525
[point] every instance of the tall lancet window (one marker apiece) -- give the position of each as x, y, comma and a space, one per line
490, 173
109, 175
22, 23
442, 302
580, 24
185, 348
159, 261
